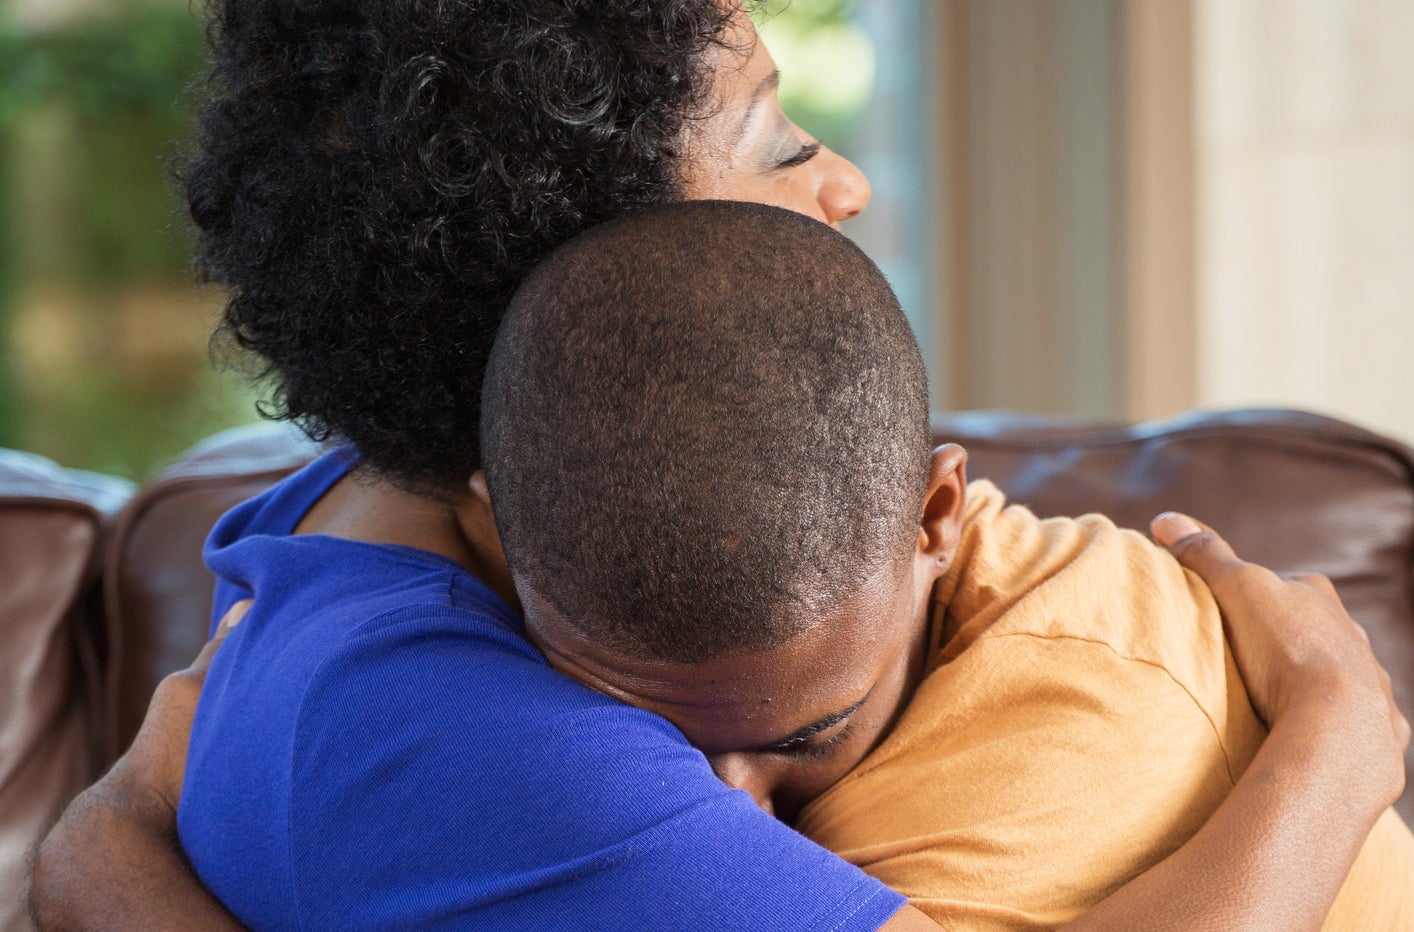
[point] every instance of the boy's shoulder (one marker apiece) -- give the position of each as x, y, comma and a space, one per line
1080, 578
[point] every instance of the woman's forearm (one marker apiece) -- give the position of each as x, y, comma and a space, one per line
1274, 854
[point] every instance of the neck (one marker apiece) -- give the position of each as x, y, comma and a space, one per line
370, 509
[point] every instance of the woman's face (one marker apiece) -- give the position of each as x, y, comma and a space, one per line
749, 150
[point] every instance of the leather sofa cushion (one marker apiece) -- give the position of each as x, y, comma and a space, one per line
52, 526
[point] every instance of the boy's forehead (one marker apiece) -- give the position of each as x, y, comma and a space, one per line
753, 696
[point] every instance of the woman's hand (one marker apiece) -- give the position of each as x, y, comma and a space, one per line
1298, 649
113, 859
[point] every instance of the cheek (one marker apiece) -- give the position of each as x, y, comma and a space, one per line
797, 783
811, 778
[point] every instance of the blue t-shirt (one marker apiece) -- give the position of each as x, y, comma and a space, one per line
378, 746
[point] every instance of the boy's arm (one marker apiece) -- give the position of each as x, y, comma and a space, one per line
113, 860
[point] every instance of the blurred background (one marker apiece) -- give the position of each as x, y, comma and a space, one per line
103, 361
1109, 208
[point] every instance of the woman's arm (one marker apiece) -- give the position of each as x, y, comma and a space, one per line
1273, 856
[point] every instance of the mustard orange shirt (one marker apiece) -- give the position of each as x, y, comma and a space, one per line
1080, 718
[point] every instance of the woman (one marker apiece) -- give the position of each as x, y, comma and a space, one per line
374, 180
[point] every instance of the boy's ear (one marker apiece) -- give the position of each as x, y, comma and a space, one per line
941, 528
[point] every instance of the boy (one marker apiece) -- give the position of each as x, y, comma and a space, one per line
1004, 719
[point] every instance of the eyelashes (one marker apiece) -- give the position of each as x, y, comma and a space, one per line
824, 749
803, 155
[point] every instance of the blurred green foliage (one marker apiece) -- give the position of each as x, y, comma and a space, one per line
8, 251
118, 84
102, 355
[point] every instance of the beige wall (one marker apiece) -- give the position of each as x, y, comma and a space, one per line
1158, 204
1304, 138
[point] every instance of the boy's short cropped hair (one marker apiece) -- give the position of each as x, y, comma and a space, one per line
704, 425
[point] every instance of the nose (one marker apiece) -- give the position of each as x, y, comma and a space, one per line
739, 772
844, 190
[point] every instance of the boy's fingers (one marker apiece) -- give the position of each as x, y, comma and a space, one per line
232, 618
1320, 582
1196, 546
156, 761
1402, 731
196, 670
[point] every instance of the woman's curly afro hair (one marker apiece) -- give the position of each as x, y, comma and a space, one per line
373, 178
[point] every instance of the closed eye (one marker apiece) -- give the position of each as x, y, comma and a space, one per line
806, 153
799, 743
805, 751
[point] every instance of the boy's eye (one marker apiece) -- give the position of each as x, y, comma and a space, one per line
802, 155
820, 750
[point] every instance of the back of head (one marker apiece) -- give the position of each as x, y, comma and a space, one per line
702, 426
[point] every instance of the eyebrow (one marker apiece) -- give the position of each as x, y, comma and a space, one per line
767, 84
798, 737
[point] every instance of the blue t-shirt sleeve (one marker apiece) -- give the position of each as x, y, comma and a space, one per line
419, 798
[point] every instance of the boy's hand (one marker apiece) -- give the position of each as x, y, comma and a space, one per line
157, 760
1298, 648
113, 859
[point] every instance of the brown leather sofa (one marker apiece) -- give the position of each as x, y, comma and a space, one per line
102, 589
